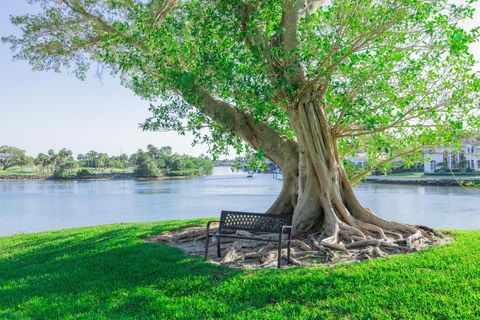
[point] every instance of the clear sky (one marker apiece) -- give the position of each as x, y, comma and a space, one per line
43, 110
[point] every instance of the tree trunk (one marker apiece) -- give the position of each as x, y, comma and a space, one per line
315, 187
327, 207
287, 198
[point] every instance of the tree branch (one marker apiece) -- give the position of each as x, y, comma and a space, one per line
280, 149
292, 11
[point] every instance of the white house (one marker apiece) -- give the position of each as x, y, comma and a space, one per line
360, 159
468, 157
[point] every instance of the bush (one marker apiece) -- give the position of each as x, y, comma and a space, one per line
146, 168
84, 172
65, 170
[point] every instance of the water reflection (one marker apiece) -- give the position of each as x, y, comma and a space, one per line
45, 205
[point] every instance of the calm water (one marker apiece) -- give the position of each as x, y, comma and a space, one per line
46, 205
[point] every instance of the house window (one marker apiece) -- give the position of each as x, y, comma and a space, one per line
453, 158
478, 164
433, 165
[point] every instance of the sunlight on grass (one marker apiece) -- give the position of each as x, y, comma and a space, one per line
23, 171
109, 272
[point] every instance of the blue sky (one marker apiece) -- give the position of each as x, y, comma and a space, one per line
43, 110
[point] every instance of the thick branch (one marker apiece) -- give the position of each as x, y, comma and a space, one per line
163, 9
78, 8
291, 14
281, 150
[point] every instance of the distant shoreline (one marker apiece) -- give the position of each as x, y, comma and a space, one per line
425, 181
100, 177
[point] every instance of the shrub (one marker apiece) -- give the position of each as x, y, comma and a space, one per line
65, 170
84, 172
146, 168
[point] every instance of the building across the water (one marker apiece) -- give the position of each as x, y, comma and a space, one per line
360, 159
466, 159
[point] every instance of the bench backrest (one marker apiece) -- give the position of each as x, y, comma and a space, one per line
249, 221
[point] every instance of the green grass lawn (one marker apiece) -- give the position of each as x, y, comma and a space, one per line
33, 171
421, 175
108, 272
25, 171
110, 170
408, 174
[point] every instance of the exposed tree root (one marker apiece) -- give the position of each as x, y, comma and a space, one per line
347, 245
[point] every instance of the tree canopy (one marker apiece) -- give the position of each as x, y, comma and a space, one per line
12, 156
395, 75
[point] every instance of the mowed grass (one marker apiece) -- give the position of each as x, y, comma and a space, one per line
109, 272
34, 171
23, 171
434, 176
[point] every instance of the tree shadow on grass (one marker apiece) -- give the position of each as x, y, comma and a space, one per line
95, 265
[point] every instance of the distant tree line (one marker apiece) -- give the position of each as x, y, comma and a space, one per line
154, 162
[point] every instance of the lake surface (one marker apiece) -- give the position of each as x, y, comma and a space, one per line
28, 206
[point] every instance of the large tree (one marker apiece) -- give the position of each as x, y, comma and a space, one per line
305, 83
11, 156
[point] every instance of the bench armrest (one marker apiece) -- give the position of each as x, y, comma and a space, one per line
287, 227
209, 223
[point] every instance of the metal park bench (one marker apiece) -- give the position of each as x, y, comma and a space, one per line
252, 222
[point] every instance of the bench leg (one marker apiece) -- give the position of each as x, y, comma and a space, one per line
280, 250
206, 245
289, 242
219, 253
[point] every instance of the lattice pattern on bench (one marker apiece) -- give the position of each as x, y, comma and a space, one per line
254, 221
